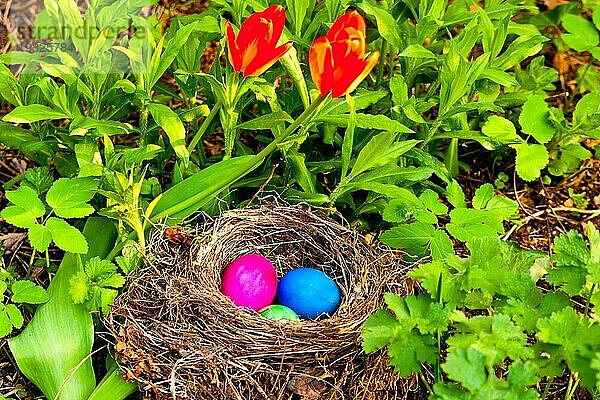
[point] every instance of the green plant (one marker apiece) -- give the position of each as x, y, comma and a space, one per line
417, 220
501, 332
557, 142
15, 292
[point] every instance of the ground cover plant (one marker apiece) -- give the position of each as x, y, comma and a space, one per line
429, 125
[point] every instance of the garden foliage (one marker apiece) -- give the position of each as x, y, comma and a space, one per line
365, 106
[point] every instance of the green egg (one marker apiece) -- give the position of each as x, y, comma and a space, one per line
277, 312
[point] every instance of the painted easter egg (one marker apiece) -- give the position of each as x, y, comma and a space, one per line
309, 292
250, 281
277, 312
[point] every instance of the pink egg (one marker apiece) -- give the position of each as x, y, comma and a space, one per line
250, 281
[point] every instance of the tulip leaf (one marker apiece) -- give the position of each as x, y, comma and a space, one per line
186, 197
348, 137
267, 121
53, 350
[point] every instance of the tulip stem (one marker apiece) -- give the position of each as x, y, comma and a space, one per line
290, 129
202, 130
384, 49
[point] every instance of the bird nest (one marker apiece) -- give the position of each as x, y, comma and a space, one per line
180, 337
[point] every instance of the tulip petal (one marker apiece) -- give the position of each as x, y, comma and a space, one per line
264, 61
233, 51
351, 19
320, 58
366, 66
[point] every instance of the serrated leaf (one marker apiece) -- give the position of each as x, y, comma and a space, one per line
27, 207
500, 130
68, 197
441, 245
455, 195
466, 366
66, 236
28, 292
482, 196
18, 216
467, 223
531, 159
378, 331
408, 236
78, 287
5, 324
432, 201
409, 350
40, 237
535, 121
14, 315
107, 297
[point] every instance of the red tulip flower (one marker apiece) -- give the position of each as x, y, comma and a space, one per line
338, 63
254, 49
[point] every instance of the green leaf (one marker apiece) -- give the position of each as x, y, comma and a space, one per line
6, 325
500, 130
441, 245
66, 236
380, 150
408, 236
27, 207
386, 24
28, 292
582, 34
467, 224
68, 197
455, 195
267, 121
531, 159
432, 201
535, 121
417, 51
40, 237
53, 352
466, 366
348, 142
33, 113
14, 315
192, 193
482, 196
365, 121
173, 127
378, 331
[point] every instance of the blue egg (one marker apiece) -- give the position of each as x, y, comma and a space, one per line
309, 292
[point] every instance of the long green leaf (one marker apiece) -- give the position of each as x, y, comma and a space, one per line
170, 122
113, 387
194, 192
53, 351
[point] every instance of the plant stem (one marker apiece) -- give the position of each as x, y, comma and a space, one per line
202, 130
588, 300
573, 383
251, 164
547, 389
427, 385
384, 47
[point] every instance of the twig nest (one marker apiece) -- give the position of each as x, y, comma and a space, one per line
180, 337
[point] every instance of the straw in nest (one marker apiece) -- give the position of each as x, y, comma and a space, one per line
179, 337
